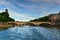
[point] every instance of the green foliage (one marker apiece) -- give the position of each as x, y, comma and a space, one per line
5, 14
43, 19
4, 17
10, 19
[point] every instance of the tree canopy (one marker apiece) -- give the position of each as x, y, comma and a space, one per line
42, 19
4, 16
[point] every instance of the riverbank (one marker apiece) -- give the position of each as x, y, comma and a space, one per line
5, 26
9, 25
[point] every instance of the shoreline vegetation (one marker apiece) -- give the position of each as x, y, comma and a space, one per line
4, 18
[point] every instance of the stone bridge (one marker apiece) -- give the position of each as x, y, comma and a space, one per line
30, 23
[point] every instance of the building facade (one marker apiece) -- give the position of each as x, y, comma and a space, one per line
54, 18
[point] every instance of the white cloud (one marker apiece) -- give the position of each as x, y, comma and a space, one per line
1, 11
18, 16
52, 1
34, 0
27, 6
47, 1
4, 2
7, 4
30, 7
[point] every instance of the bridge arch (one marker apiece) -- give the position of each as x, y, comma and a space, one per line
30, 24
44, 24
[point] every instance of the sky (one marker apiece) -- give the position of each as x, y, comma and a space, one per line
25, 10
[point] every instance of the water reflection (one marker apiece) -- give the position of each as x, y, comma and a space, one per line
30, 33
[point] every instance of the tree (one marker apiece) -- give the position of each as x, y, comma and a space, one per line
4, 16
42, 19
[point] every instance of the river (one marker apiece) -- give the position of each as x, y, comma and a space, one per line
30, 33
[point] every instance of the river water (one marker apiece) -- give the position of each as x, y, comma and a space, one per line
30, 33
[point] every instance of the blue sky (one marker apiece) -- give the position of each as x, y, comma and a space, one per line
25, 10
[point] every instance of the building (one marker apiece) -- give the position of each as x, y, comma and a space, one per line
54, 18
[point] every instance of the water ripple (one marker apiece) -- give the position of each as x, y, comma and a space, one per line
30, 33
